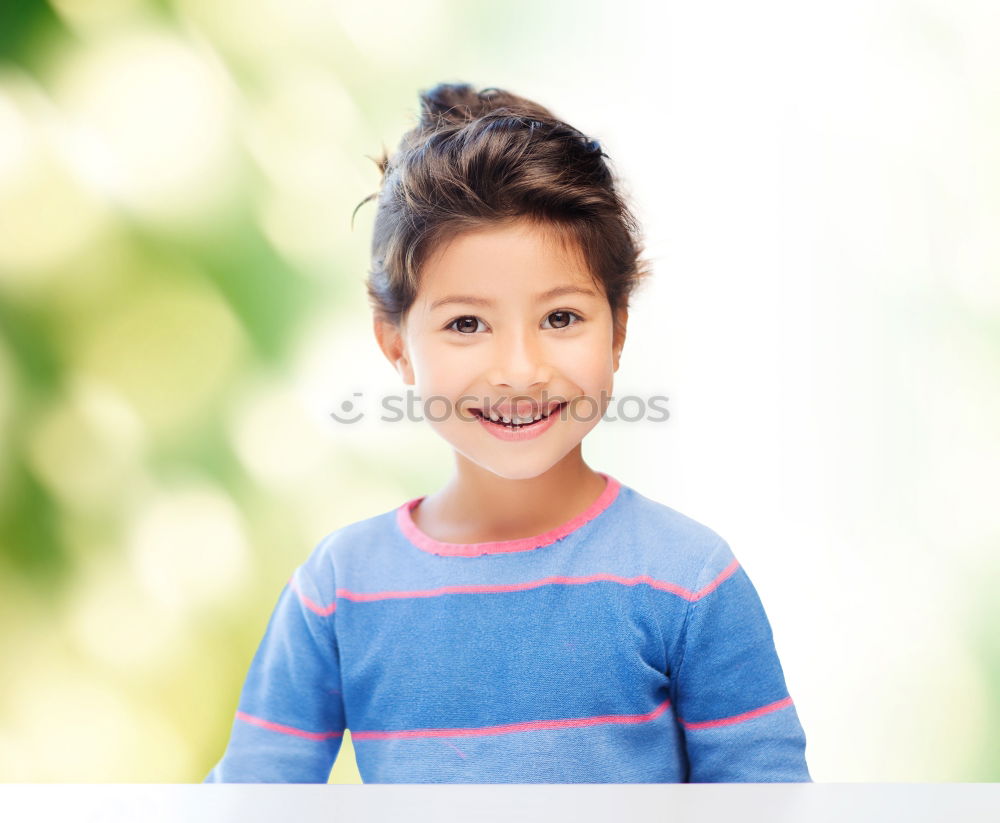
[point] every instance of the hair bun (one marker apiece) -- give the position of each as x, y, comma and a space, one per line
460, 103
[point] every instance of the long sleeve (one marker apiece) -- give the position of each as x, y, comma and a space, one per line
290, 721
738, 720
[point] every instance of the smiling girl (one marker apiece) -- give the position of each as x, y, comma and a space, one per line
534, 620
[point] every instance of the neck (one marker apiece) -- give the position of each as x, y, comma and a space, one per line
477, 505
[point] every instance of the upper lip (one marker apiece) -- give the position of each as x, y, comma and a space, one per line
521, 409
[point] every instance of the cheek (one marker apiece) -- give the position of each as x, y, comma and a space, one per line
439, 369
591, 365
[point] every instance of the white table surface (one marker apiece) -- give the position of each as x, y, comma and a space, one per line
580, 803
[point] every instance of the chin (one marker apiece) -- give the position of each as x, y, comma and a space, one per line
513, 467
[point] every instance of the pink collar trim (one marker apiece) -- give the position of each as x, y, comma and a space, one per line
404, 520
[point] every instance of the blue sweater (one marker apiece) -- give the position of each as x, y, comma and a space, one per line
626, 646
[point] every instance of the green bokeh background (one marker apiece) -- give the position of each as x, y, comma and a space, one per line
178, 270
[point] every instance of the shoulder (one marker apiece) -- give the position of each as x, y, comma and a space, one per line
653, 517
670, 541
337, 550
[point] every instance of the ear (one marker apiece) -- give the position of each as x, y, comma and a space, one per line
392, 341
618, 341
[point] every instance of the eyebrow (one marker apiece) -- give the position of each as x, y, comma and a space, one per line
483, 301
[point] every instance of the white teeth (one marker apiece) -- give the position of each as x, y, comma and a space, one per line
516, 419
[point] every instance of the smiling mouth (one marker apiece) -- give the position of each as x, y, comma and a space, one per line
517, 426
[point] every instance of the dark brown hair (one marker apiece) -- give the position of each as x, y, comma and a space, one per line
477, 159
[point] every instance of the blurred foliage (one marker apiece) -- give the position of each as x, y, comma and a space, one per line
160, 255
22, 24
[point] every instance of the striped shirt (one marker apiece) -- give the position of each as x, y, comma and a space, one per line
626, 646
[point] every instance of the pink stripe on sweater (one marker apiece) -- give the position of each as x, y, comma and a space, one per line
322, 611
277, 727
531, 725
402, 594
428, 544
663, 585
737, 718
711, 587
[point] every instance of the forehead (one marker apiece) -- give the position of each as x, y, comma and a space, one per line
501, 260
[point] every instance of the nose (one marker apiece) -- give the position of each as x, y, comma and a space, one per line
519, 362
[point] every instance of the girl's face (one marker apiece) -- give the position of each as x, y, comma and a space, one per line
488, 330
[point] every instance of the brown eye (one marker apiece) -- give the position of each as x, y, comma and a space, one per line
561, 319
463, 324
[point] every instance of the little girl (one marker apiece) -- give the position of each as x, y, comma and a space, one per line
535, 620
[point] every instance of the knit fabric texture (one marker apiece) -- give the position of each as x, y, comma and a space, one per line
626, 646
